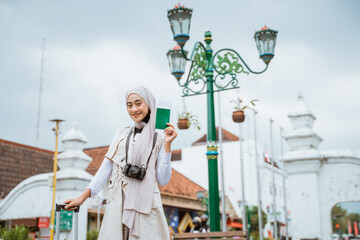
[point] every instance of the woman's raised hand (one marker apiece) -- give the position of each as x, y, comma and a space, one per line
170, 135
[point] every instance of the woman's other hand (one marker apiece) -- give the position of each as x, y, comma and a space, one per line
71, 204
170, 135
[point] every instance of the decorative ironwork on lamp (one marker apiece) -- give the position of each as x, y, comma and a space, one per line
179, 18
265, 42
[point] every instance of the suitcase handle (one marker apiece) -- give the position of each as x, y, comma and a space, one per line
58, 209
61, 206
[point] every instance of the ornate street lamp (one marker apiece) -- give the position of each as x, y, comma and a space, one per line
227, 64
176, 62
200, 195
265, 42
179, 18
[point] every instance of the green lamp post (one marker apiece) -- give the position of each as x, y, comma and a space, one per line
226, 64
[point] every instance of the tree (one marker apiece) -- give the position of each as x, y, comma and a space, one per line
352, 217
254, 221
338, 218
93, 235
16, 233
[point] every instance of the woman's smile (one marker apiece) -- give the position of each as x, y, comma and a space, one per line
136, 115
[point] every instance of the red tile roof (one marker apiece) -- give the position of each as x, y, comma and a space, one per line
18, 162
97, 154
181, 185
226, 137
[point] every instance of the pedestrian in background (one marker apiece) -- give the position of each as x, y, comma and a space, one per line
204, 226
197, 225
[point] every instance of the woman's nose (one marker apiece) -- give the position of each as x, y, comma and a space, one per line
134, 109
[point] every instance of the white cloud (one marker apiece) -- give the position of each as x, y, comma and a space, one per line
88, 84
91, 63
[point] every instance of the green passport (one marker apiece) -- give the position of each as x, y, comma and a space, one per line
162, 118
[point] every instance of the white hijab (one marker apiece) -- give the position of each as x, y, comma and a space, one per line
139, 195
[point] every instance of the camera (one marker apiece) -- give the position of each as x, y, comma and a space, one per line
134, 171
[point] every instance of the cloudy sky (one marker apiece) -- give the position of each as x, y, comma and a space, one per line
97, 50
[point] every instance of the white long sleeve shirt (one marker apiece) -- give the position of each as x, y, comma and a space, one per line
163, 170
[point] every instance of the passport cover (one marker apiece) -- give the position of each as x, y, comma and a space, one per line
162, 117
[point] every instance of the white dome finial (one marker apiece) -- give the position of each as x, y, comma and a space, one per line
302, 137
74, 134
73, 155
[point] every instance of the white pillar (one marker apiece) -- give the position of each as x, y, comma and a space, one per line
72, 179
302, 164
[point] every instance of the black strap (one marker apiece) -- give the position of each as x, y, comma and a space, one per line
138, 130
128, 142
154, 141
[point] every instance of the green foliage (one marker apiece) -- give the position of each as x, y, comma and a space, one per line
93, 235
2, 230
352, 217
341, 217
193, 119
338, 213
16, 233
238, 104
254, 217
254, 221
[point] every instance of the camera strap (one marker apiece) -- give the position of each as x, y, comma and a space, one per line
128, 142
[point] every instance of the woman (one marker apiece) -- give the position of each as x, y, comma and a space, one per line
136, 158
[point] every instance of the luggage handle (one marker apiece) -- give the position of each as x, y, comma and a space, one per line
58, 209
61, 206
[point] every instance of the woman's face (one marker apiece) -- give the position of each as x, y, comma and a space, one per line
136, 107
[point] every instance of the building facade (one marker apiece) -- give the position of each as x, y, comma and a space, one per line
26, 188
317, 180
193, 164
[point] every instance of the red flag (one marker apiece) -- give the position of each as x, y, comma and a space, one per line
349, 227
356, 230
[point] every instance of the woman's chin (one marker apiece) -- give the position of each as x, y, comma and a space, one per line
137, 120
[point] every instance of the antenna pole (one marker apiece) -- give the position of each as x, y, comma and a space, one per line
40, 92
